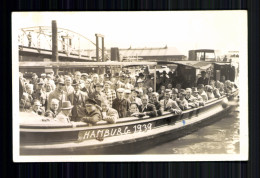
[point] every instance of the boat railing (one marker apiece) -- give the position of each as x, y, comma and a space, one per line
121, 121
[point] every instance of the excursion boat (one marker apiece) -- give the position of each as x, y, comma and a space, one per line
127, 136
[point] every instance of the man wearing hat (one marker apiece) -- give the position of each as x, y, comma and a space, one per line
37, 109
91, 114
120, 103
58, 94
50, 81
43, 76
168, 104
140, 86
98, 95
127, 95
106, 77
117, 82
40, 93
77, 98
110, 93
64, 115
203, 79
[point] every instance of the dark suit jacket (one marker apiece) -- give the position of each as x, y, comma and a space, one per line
149, 109
78, 102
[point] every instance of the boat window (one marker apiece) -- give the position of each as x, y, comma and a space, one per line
210, 57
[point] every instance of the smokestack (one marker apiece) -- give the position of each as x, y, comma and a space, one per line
54, 41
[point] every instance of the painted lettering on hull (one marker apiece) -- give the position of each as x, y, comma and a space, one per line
124, 130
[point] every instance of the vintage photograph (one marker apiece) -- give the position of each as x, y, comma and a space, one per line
130, 86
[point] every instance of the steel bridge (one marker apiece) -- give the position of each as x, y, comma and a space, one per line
72, 46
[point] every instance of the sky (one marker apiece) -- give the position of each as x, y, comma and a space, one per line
221, 30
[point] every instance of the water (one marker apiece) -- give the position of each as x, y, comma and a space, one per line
221, 137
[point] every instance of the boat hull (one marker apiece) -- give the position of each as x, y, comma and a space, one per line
65, 141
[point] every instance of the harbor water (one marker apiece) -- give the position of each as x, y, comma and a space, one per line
221, 137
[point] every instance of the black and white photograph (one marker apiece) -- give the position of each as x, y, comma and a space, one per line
130, 86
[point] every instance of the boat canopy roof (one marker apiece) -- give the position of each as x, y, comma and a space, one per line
194, 64
81, 64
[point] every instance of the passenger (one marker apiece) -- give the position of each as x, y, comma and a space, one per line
43, 77
178, 87
203, 79
109, 114
150, 92
120, 103
198, 98
140, 87
161, 92
134, 98
168, 104
68, 88
133, 110
182, 102
128, 85
95, 81
98, 95
77, 98
40, 93
127, 95
155, 101
53, 111
77, 78
169, 86
64, 115
37, 109
221, 89
58, 94
174, 96
147, 109
209, 92
148, 82
202, 93
91, 113
27, 99
110, 93
215, 89
50, 81
86, 88
192, 102
34, 80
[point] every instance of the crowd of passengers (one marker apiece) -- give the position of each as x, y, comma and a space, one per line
92, 98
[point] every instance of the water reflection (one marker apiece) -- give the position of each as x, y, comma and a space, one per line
221, 137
